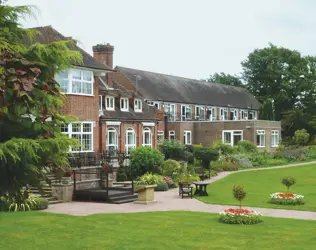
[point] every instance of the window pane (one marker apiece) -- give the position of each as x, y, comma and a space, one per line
78, 137
62, 75
87, 76
64, 128
76, 127
76, 87
87, 127
87, 88
76, 74
86, 142
227, 137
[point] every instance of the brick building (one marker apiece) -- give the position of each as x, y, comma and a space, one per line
120, 109
200, 112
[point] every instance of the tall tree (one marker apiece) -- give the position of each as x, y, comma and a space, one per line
30, 103
279, 74
227, 79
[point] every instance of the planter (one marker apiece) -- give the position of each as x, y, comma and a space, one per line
66, 180
146, 194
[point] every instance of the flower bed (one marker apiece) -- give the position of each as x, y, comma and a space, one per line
287, 199
240, 216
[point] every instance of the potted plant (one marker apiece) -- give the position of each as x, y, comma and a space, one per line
67, 178
145, 187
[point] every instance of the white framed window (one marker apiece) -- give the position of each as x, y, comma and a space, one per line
124, 104
100, 102
187, 137
224, 114
172, 135
83, 132
147, 137
109, 102
186, 112
130, 140
234, 114
138, 105
199, 113
261, 137
111, 141
75, 81
232, 137
154, 104
211, 114
160, 136
243, 114
170, 110
275, 138
252, 115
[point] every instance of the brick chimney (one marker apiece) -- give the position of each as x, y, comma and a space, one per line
103, 53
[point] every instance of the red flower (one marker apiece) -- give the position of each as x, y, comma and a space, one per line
105, 165
20, 72
238, 211
286, 195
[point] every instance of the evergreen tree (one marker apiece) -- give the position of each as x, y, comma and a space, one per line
30, 102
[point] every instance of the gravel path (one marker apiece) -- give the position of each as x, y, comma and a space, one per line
170, 201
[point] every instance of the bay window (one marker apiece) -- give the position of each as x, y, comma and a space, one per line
75, 81
83, 132
233, 114
243, 115
154, 104
261, 138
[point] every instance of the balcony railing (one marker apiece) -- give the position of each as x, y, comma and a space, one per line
172, 117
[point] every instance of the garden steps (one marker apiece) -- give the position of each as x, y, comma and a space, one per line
123, 198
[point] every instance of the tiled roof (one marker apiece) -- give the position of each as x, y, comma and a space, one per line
48, 34
168, 88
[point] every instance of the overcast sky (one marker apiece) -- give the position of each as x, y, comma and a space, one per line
181, 37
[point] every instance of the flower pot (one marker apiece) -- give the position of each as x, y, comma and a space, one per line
66, 180
146, 194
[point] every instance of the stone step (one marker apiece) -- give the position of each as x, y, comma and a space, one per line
127, 200
123, 198
54, 202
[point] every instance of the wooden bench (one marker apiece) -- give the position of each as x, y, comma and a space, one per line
185, 189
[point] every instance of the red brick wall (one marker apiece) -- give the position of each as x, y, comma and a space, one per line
85, 108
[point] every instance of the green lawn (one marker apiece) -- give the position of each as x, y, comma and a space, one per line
161, 230
260, 184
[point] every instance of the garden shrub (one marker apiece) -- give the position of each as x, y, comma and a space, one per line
224, 149
205, 155
292, 154
145, 159
169, 181
288, 182
301, 137
287, 199
42, 204
240, 216
162, 187
122, 173
220, 166
170, 167
311, 152
239, 193
173, 149
149, 179
189, 157
239, 159
246, 147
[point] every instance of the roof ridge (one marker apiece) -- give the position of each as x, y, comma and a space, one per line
206, 82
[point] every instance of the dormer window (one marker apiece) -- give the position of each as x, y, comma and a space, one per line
109, 103
124, 104
137, 105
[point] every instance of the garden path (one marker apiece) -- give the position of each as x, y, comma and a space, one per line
171, 201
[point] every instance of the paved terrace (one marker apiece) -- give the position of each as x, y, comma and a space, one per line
171, 201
